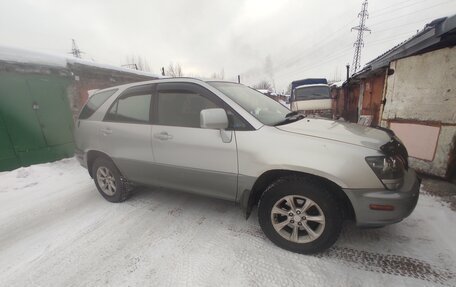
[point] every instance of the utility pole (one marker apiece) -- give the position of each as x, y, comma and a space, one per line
75, 50
359, 43
348, 71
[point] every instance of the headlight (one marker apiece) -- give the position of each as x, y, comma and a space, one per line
389, 169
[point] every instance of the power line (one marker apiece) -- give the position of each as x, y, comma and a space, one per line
333, 58
410, 13
395, 7
336, 35
327, 58
288, 66
299, 73
397, 36
422, 21
316, 48
359, 43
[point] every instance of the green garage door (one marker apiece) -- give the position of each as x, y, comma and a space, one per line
8, 157
53, 110
36, 118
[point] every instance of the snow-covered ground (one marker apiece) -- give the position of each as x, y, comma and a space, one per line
56, 230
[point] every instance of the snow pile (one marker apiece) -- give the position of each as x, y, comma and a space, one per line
18, 55
337, 84
57, 230
264, 91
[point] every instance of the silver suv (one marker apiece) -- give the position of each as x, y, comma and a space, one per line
228, 141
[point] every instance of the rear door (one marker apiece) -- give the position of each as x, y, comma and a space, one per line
125, 134
188, 157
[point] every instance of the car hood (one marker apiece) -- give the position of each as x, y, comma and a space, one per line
339, 131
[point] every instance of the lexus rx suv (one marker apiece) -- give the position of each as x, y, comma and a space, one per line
228, 141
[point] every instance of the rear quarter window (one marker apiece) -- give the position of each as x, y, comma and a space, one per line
94, 102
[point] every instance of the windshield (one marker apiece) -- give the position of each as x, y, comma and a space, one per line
312, 93
263, 108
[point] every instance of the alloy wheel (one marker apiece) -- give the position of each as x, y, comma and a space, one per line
106, 181
298, 219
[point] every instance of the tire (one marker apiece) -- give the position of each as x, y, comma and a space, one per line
289, 228
118, 189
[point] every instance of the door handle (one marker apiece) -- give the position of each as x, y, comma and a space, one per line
163, 136
106, 131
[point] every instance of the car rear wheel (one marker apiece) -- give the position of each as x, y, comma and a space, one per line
109, 181
300, 215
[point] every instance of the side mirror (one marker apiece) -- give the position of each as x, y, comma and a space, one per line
213, 119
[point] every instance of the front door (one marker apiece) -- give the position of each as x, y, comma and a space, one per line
188, 157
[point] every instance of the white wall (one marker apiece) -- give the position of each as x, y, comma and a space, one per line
423, 88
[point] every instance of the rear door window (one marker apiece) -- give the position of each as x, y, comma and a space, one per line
94, 102
132, 107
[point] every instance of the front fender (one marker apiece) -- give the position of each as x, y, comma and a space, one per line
271, 149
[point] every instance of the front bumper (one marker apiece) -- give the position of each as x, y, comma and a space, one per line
403, 201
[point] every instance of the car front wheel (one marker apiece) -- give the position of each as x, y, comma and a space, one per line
300, 215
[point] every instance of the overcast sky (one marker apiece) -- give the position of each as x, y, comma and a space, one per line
281, 40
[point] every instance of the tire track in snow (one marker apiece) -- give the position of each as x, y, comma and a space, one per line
375, 262
277, 267
390, 264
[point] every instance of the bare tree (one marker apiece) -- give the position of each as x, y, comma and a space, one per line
288, 91
174, 70
220, 75
263, 85
147, 66
336, 77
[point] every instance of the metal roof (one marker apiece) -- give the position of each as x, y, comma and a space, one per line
437, 34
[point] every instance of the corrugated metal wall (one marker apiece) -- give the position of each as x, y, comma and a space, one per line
372, 97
